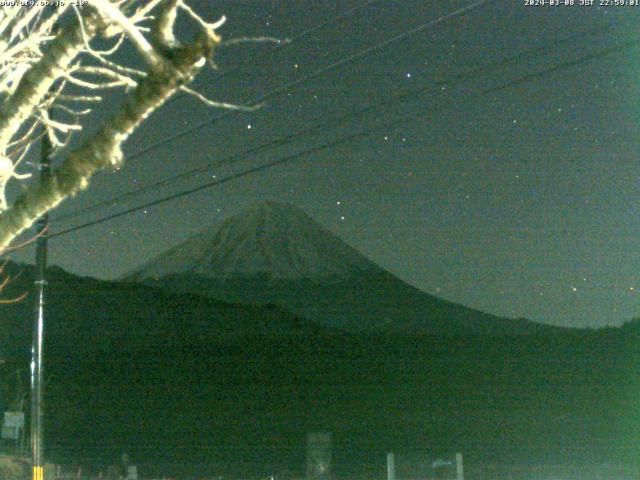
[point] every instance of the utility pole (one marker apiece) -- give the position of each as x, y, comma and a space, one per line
37, 444
459, 467
391, 466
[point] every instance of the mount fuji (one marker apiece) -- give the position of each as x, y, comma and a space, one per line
275, 253
274, 240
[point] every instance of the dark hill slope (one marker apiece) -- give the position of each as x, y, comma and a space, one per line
175, 378
85, 313
276, 253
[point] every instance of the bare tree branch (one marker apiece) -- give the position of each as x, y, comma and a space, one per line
44, 68
103, 150
37, 81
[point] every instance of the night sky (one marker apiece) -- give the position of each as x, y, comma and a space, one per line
521, 202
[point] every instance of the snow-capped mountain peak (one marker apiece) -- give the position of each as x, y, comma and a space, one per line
274, 239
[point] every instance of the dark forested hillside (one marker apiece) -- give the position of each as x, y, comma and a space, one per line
214, 383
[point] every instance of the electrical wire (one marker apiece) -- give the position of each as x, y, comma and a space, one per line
287, 86
345, 139
231, 159
294, 83
288, 41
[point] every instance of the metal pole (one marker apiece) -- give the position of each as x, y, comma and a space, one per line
391, 466
459, 467
37, 370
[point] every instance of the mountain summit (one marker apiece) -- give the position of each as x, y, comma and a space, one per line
275, 253
272, 239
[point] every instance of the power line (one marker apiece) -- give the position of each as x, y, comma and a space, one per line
335, 119
343, 140
287, 42
304, 33
294, 83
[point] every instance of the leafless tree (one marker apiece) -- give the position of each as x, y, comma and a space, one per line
49, 62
